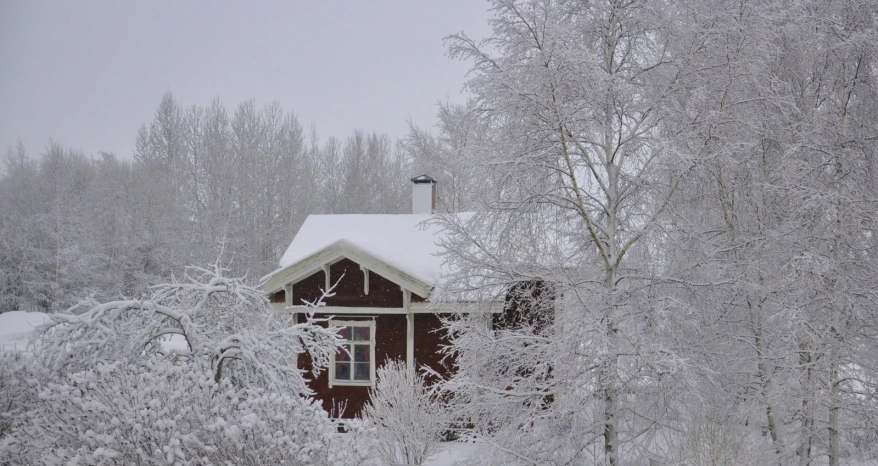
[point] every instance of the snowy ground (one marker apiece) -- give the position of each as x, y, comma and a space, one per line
16, 328
453, 452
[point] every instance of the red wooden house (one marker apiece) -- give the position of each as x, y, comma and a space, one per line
384, 269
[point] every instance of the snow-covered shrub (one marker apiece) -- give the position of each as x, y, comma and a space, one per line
408, 418
152, 412
231, 393
20, 379
226, 325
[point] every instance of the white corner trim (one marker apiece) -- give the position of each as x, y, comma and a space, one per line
410, 342
409, 330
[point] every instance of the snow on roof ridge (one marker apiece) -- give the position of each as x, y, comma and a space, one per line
407, 242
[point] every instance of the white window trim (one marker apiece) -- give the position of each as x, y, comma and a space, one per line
355, 383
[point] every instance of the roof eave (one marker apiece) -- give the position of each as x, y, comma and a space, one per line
333, 253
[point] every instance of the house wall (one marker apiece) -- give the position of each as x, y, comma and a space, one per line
390, 329
528, 304
278, 297
350, 290
390, 336
429, 340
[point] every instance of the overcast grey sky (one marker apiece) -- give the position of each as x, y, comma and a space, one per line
89, 73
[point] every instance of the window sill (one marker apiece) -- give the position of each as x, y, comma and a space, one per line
351, 383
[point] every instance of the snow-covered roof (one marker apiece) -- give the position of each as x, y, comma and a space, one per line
406, 242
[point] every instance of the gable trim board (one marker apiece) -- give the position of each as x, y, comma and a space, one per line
334, 253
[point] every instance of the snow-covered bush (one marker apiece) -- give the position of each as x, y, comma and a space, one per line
408, 418
152, 412
228, 390
20, 379
226, 325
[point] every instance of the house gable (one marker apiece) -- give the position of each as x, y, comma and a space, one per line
351, 290
316, 263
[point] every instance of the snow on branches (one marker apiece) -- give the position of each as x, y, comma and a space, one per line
226, 325
115, 391
156, 413
409, 419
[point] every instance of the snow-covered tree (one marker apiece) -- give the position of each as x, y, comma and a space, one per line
19, 231
197, 372
693, 179
204, 183
586, 148
775, 231
221, 324
450, 155
712, 441
408, 418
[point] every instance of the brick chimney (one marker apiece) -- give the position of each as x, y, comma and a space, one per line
423, 195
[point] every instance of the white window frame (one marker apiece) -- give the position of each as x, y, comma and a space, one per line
357, 383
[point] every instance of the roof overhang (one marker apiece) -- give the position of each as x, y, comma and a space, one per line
492, 307
314, 263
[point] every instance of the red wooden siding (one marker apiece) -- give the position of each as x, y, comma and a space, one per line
390, 333
390, 329
529, 303
279, 297
429, 340
349, 291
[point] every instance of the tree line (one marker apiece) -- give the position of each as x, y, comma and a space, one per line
204, 184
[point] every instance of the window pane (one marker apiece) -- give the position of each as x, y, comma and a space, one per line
361, 353
361, 371
345, 332
361, 333
343, 371
343, 355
